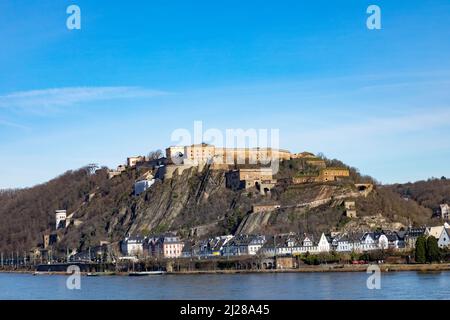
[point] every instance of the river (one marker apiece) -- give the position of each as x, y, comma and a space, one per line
285, 286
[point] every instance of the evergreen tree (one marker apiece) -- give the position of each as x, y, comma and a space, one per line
433, 254
421, 250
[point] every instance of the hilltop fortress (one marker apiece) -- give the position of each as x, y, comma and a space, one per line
201, 154
244, 168
180, 158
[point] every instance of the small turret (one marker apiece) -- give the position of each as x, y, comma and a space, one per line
60, 217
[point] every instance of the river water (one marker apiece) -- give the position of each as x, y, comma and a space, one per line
288, 286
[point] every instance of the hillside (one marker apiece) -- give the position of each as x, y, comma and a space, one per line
27, 213
194, 204
430, 194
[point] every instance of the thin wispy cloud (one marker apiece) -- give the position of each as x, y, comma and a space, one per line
360, 141
5, 123
62, 97
439, 84
381, 126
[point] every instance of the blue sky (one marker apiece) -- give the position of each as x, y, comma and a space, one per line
137, 70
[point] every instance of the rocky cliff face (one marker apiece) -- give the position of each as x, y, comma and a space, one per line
187, 200
296, 203
192, 203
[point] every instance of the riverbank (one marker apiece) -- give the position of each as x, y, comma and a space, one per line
34, 272
302, 269
329, 268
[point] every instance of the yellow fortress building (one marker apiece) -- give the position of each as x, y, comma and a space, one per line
200, 154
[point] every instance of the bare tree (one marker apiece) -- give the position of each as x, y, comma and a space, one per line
155, 155
91, 168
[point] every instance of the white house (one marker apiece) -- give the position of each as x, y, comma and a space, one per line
307, 242
142, 185
396, 239
382, 241
292, 245
343, 244
255, 244
324, 244
308, 245
369, 241
444, 239
434, 231
133, 246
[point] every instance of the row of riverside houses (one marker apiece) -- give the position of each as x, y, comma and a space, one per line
171, 246
251, 245
293, 244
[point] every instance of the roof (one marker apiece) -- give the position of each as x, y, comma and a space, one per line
393, 236
281, 241
242, 240
188, 246
137, 239
416, 232
171, 239
352, 237
334, 168
357, 236
377, 235
342, 238
435, 231
305, 175
219, 243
